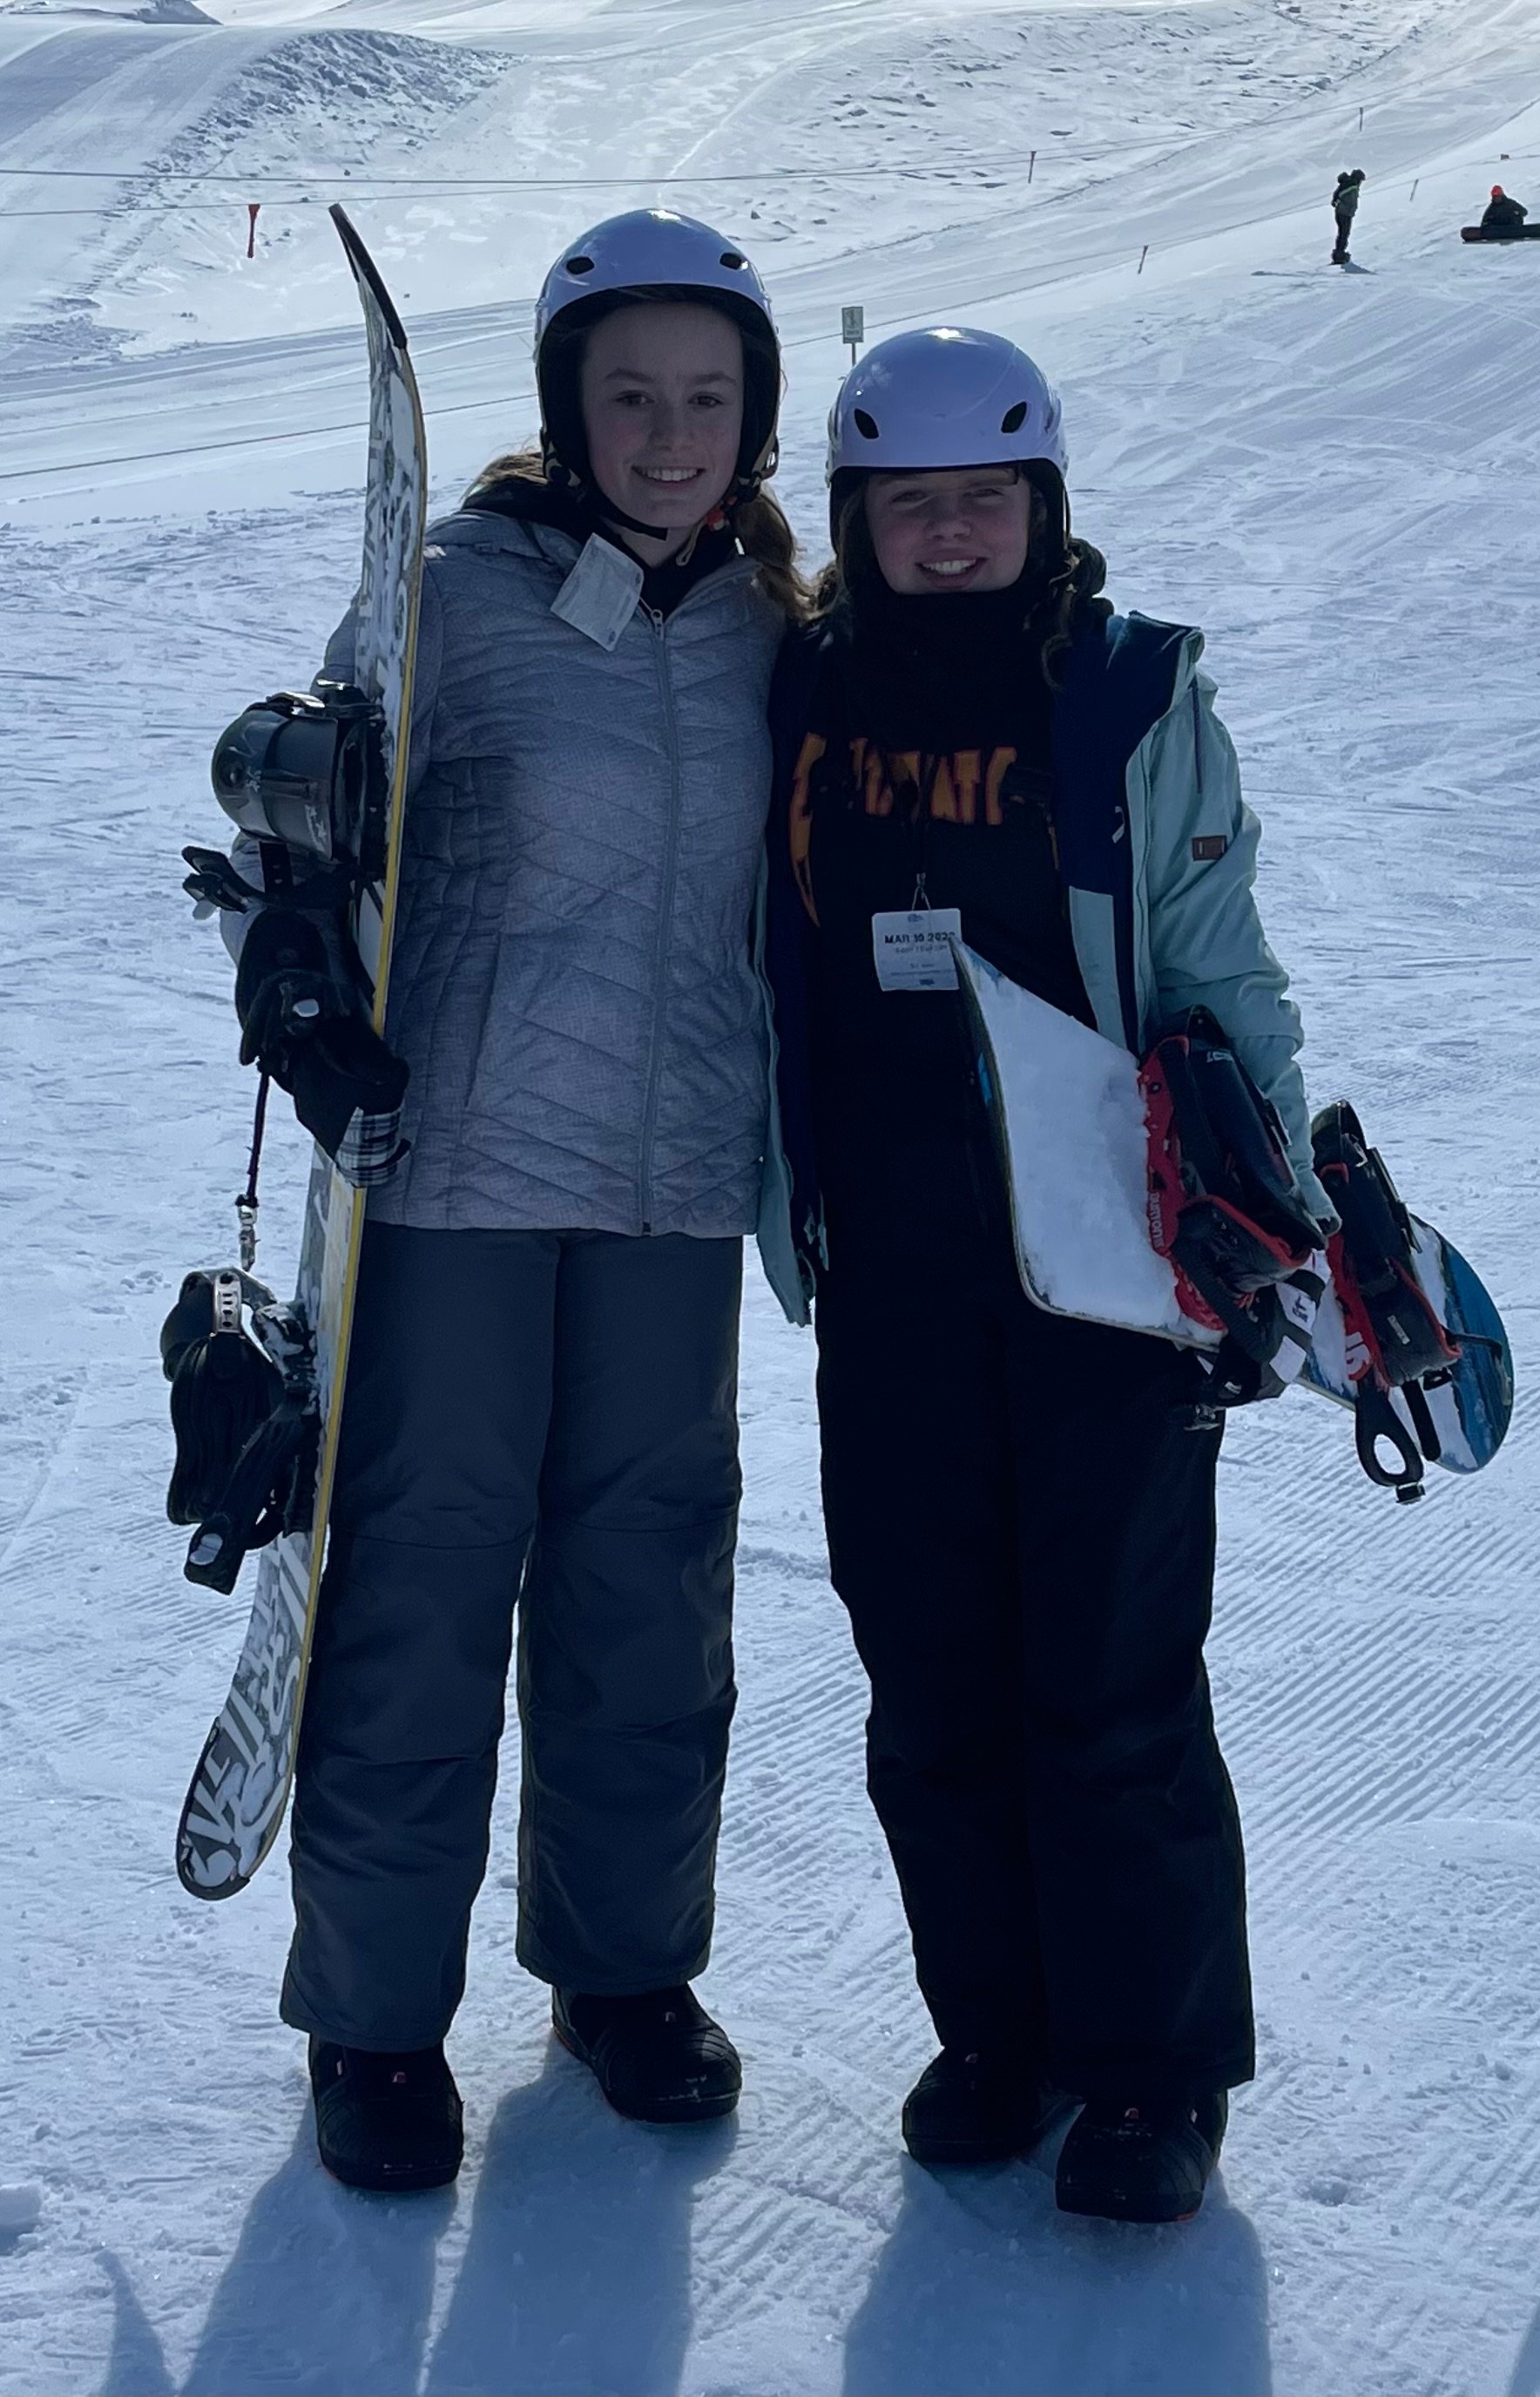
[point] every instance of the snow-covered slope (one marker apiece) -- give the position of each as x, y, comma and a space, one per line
1334, 476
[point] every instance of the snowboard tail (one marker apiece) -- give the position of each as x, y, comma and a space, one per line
236, 1805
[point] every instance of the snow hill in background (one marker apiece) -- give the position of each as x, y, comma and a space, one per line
1335, 474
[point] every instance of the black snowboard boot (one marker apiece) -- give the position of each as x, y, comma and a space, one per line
1141, 2162
975, 2108
660, 2059
386, 2122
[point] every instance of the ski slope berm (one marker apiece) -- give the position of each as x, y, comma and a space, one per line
236, 1804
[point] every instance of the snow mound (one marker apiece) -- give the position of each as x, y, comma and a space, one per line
136, 12
330, 100
310, 117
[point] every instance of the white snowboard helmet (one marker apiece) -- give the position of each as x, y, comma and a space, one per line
950, 395
653, 254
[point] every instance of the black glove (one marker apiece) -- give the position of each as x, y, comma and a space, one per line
302, 1021
1270, 1338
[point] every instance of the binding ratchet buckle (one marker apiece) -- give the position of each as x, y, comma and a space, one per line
1395, 1341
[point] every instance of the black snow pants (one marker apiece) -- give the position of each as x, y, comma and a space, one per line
1021, 1524
1344, 237
543, 1421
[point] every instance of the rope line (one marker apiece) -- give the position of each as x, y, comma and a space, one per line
550, 182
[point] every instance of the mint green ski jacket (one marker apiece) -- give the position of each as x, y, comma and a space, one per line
1158, 850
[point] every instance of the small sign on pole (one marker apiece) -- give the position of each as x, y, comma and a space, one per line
252, 207
852, 328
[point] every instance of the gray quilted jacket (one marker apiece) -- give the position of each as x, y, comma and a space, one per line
571, 983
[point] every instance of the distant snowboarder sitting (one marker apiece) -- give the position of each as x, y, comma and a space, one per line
1344, 200
1503, 215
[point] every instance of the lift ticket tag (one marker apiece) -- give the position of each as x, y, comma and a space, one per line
599, 596
913, 948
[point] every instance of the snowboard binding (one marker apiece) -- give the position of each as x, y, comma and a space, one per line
302, 774
1225, 1208
243, 1410
305, 768
1395, 1341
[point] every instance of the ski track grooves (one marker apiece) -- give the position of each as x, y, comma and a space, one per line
1334, 477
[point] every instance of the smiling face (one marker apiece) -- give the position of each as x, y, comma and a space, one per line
662, 394
958, 528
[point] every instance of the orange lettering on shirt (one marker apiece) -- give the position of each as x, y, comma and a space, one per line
1000, 762
801, 824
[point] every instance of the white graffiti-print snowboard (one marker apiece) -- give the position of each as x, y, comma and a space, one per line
236, 1804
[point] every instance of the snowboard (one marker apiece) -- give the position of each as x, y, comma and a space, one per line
236, 1804
1069, 1120
1520, 233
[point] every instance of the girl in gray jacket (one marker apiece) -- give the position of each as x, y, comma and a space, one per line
540, 1403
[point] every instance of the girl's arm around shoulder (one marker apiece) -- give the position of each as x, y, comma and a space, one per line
1207, 944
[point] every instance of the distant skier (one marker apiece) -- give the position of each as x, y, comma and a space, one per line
1019, 1506
1344, 200
1503, 215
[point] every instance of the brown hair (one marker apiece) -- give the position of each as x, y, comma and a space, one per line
1069, 599
759, 524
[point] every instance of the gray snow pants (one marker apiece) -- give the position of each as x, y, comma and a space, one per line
545, 1421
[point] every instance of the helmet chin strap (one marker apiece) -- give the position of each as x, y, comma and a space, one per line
565, 480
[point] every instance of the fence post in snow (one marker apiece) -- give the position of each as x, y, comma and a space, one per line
1030, 163
1413, 191
252, 207
1143, 255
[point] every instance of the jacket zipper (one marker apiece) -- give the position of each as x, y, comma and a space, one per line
665, 933
670, 872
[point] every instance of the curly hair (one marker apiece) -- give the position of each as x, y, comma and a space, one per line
1068, 598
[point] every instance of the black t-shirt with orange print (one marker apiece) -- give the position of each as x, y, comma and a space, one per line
926, 766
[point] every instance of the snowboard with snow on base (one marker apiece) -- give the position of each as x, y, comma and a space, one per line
236, 1805
1406, 1334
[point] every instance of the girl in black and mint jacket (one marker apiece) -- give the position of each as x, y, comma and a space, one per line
1019, 1506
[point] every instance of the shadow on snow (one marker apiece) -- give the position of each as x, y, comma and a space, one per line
983, 2286
576, 2282
575, 2277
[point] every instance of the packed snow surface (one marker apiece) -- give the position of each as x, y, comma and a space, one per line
1335, 474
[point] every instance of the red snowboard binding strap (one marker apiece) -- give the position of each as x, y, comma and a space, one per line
1224, 1204
1395, 1341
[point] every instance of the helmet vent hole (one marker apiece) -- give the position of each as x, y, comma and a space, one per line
1014, 418
734, 259
867, 426
580, 266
